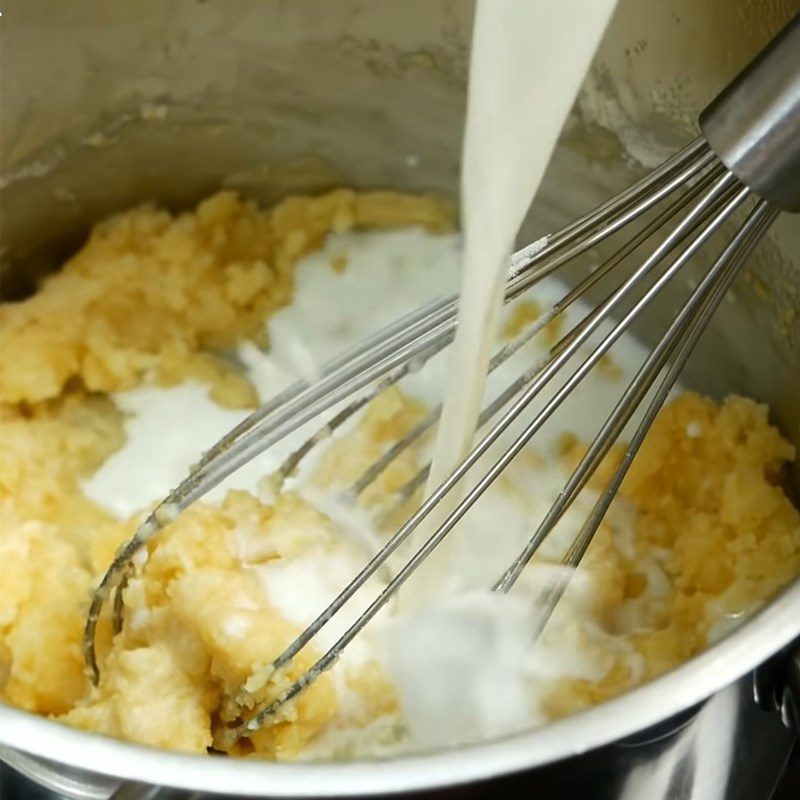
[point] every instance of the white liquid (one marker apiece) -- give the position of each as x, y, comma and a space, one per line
528, 60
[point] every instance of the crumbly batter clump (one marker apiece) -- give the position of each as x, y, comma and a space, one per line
714, 536
157, 297
153, 291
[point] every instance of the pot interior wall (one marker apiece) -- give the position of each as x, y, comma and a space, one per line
167, 101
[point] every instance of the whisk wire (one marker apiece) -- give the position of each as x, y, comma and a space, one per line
687, 162
618, 222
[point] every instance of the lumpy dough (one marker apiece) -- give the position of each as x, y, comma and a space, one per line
157, 297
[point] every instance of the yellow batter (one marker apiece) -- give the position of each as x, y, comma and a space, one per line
154, 296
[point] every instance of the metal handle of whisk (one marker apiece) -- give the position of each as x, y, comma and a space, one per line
754, 124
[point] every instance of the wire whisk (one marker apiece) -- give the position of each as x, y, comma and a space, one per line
746, 166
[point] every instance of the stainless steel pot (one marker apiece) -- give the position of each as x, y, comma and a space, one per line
108, 104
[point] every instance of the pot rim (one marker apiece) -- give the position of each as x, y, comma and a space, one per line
772, 628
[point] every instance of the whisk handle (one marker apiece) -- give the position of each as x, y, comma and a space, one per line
754, 124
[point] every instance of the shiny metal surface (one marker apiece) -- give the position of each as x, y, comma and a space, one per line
640, 714
728, 748
754, 125
63, 780
32, 780
169, 99
790, 695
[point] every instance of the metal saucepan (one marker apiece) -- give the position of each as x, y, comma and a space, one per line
108, 104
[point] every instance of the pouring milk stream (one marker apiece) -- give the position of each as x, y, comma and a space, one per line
529, 58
